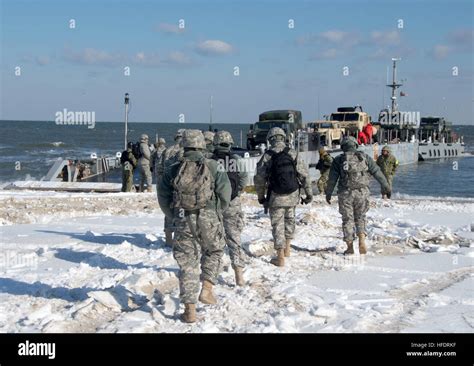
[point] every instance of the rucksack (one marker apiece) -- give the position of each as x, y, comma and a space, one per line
193, 185
355, 170
283, 174
233, 176
137, 152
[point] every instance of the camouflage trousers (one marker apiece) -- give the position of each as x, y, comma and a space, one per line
127, 180
197, 259
322, 182
389, 180
145, 176
283, 225
353, 205
233, 224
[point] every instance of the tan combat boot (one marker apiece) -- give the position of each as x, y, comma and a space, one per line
207, 296
362, 247
149, 189
168, 238
287, 247
239, 277
279, 260
189, 315
350, 248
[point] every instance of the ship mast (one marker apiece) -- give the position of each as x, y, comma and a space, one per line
394, 86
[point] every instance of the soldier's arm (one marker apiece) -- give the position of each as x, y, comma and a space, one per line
303, 176
165, 193
333, 177
223, 189
243, 174
379, 161
132, 159
375, 171
261, 176
145, 151
395, 164
328, 160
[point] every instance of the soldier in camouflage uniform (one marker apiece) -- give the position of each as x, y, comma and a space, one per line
281, 206
388, 164
199, 242
169, 156
209, 138
233, 217
160, 147
129, 163
324, 165
352, 169
144, 164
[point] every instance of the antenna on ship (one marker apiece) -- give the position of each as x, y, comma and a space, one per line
127, 100
210, 114
394, 85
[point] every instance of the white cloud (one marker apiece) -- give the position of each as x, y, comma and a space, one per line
330, 38
440, 51
169, 28
385, 38
90, 56
214, 47
328, 54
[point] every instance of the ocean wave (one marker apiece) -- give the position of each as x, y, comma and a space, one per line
58, 143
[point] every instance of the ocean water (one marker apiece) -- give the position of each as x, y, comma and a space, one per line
37, 144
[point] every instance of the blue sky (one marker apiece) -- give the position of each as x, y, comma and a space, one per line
173, 71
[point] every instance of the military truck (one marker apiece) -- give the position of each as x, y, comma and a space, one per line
289, 120
330, 133
352, 119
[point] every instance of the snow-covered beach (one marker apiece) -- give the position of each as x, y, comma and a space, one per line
97, 263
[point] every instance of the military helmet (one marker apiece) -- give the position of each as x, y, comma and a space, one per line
223, 137
161, 141
143, 137
208, 137
349, 142
193, 139
322, 151
179, 133
275, 131
386, 148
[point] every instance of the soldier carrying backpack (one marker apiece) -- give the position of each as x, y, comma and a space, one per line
352, 170
191, 193
282, 174
233, 217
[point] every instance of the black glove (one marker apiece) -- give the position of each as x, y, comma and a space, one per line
261, 200
328, 198
389, 194
307, 199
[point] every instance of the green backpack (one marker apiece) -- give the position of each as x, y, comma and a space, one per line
193, 186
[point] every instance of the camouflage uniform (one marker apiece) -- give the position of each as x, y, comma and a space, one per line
170, 155
324, 165
156, 155
353, 202
233, 217
144, 164
209, 139
281, 206
388, 164
130, 162
205, 251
